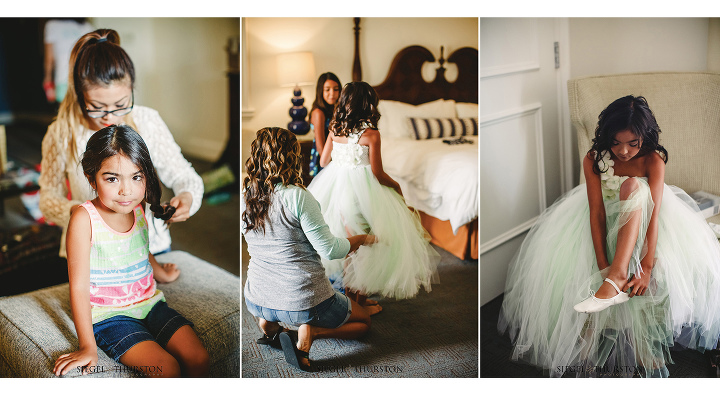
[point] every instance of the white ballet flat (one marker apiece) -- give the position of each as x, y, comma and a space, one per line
593, 304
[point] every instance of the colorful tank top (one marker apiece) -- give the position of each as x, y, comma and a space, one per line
121, 277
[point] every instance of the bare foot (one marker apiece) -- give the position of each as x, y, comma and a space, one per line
270, 329
305, 340
370, 302
373, 309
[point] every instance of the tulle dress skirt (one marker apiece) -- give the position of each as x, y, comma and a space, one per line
354, 202
556, 269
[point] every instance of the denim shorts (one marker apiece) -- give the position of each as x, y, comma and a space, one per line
330, 313
120, 333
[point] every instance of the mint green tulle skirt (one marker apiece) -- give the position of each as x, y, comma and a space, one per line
556, 268
402, 261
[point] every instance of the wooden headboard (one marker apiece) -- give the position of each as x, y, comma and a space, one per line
404, 81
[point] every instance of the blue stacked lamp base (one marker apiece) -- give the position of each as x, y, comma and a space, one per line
298, 112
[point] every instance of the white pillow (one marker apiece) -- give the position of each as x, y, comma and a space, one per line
394, 116
466, 110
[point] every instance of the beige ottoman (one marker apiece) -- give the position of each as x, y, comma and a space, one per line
37, 327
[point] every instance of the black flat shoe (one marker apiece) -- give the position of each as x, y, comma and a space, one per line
273, 342
292, 354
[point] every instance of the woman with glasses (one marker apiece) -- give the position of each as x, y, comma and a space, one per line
100, 93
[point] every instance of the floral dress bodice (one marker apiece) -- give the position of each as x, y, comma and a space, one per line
608, 180
351, 154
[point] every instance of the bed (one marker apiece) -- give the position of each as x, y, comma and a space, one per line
418, 118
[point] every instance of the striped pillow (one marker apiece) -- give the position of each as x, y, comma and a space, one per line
433, 128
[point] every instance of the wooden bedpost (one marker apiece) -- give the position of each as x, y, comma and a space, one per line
440, 72
357, 69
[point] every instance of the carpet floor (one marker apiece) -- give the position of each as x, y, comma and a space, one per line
432, 335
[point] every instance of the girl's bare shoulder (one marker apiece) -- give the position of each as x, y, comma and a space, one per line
371, 131
336, 138
80, 213
371, 134
79, 221
654, 158
654, 163
589, 159
317, 115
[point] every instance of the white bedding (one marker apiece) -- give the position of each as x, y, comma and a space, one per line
436, 178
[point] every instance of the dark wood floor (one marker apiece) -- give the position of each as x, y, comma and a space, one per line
495, 351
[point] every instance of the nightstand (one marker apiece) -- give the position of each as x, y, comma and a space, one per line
306, 144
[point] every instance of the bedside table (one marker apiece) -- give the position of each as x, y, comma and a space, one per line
306, 144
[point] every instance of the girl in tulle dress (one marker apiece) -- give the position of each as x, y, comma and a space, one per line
618, 270
357, 196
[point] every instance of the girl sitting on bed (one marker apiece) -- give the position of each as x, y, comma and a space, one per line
357, 197
327, 92
649, 262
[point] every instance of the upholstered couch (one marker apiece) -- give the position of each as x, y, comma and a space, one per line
687, 108
37, 327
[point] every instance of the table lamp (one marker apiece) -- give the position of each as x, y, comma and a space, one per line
296, 69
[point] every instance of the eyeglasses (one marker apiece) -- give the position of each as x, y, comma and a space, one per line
118, 113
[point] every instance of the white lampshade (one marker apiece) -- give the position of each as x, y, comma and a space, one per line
296, 68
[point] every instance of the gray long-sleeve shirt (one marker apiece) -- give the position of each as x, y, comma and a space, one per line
285, 272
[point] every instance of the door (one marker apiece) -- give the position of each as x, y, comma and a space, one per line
523, 138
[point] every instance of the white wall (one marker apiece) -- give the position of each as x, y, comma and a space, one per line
331, 41
181, 67
520, 130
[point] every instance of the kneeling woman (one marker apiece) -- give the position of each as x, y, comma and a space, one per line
286, 236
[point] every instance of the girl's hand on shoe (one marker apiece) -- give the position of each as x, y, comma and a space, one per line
639, 285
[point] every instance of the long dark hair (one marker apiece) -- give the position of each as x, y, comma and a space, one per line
627, 113
274, 158
96, 60
320, 102
356, 107
99, 60
124, 140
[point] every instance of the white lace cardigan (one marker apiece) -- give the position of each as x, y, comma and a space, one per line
58, 165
